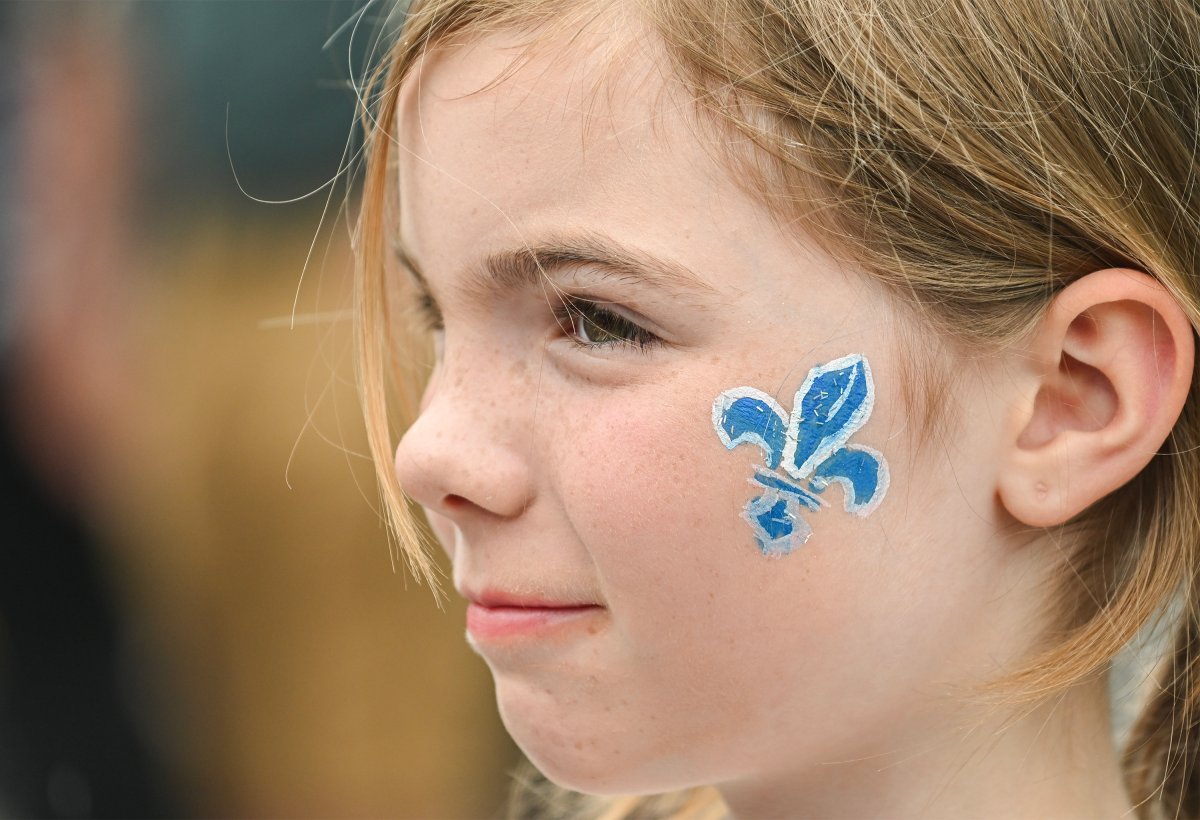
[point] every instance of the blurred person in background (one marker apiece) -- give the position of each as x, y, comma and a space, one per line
197, 612
70, 743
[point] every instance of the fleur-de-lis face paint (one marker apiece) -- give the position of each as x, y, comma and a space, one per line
807, 451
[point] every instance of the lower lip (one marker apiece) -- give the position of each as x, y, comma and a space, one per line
493, 622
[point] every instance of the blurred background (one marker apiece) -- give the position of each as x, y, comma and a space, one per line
198, 612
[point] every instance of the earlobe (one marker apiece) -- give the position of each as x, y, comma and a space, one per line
1103, 379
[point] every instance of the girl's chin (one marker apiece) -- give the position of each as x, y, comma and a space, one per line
598, 756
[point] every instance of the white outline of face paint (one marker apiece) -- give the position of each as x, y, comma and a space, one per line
853, 425
882, 482
775, 547
726, 399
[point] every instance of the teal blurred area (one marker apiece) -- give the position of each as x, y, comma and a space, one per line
199, 614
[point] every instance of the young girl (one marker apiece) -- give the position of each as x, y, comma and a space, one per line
809, 418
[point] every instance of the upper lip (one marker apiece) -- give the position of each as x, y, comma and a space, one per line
492, 597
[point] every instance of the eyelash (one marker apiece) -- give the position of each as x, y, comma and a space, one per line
427, 313
575, 317
582, 319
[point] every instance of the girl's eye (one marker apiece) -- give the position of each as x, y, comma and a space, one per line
425, 311
590, 325
431, 313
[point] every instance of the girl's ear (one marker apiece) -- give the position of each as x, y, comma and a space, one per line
1102, 381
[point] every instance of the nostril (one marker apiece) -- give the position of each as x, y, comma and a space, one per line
455, 502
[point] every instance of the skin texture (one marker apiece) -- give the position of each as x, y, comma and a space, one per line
829, 682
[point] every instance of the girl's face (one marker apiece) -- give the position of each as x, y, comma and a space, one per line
566, 446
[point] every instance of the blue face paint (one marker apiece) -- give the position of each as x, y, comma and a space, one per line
810, 446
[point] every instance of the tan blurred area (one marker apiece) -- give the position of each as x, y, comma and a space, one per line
179, 386
311, 679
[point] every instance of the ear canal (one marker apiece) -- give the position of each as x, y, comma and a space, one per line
1078, 397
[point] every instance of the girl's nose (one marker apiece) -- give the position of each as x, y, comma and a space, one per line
464, 453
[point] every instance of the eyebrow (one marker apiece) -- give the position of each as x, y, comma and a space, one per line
528, 265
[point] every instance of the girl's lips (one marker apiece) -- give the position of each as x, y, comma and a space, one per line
497, 597
508, 622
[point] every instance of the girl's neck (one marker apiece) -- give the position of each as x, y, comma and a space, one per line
1058, 760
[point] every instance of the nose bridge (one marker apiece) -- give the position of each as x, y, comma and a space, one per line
471, 440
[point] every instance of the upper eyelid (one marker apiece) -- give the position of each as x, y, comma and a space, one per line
624, 311
559, 285
401, 258
540, 261
423, 293
563, 291
421, 298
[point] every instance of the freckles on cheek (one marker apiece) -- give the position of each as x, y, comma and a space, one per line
651, 478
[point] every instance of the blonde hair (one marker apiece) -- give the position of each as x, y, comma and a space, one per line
975, 156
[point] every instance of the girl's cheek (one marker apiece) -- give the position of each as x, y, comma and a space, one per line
648, 472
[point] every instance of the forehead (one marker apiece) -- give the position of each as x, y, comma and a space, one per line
602, 73
502, 145
499, 139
